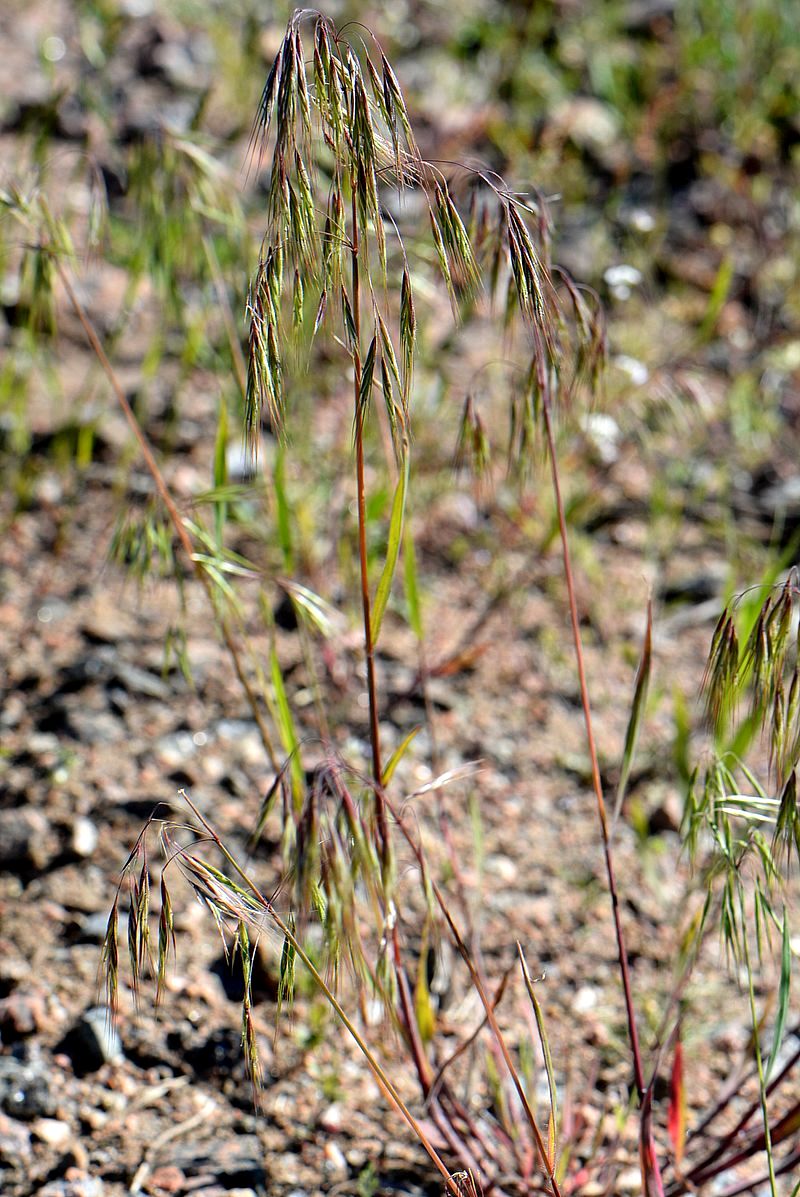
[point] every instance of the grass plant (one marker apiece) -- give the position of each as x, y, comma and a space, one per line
334, 133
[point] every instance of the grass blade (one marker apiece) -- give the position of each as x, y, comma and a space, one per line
398, 754
637, 712
286, 725
392, 551
783, 995
552, 1121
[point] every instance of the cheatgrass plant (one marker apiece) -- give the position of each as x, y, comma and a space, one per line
334, 138
743, 834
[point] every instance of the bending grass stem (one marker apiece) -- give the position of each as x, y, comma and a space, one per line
378, 1072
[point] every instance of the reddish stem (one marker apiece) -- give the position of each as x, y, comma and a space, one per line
633, 1034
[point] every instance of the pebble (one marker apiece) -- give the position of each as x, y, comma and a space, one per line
332, 1118
666, 817
585, 999
15, 1141
84, 837
92, 927
604, 434
588, 123
25, 1086
637, 371
629, 1181
52, 1131
27, 841
167, 1179
74, 1184
13, 970
175, 748
106, 622
92, 1041
22, 1014
334, 1160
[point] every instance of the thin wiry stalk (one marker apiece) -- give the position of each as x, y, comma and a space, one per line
605, 830
176, 519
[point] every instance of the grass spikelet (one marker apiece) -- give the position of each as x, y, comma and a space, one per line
286, 974
787, 824
249, 1040
279, 786
408, 333
462, 267
394, 98
109, 959
473, 451
721, 677
444, 261
166, 938
367, 375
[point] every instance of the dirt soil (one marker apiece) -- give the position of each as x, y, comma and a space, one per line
96, 733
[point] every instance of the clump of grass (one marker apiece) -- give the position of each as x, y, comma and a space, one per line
334, 129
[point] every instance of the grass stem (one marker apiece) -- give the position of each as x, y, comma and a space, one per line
622, 952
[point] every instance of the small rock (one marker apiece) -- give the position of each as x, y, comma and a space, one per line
93, 1041
106, 622
15, 1141
637, 371
335, 1162
175, 749
75, 1184
167, 1179
27, 841
332, 1118
585, 999
500, 866
92, 927
13, 970
52, 1131
604, 434
83, 839
141, 681
622, 275
22, 1014
25, 1086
